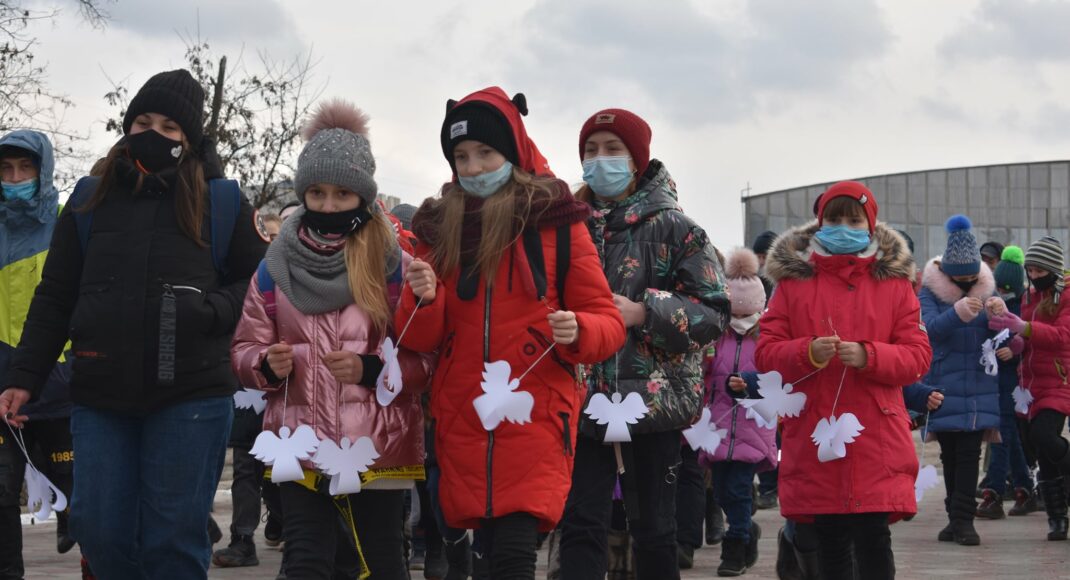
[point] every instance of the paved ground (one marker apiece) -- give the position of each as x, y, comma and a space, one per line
1011, 548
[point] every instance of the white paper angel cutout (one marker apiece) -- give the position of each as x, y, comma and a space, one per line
988, 352
1022, 400
389, 383
704, 434
250, 399
833, 434
927, 479
777, 401
500, 400
345, 462
39, 494
285, 452
616, 414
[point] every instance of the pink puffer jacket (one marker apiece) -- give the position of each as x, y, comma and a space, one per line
312, 396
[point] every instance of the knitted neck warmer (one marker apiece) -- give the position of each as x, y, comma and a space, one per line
315, 282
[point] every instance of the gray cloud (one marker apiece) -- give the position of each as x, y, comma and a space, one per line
260, 24
695, 68
1023, 30
941, 109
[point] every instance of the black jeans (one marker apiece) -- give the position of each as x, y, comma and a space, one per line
960, 452
245, 492
690, 500
650, 485
866, 536
1045, 434
509, 546
317, 547
49, 441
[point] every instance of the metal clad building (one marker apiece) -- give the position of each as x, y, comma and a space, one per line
1011, 204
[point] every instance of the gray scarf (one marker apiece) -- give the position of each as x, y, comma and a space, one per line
314, 283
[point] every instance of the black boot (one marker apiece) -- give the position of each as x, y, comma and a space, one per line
733, 557
64, 542
11, 542
787, 566
751, 555
963, 511
458, 559
807, 564
714, 519
1055, 504
241, 552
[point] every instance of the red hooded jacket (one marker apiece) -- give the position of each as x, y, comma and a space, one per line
517, 467
1046, 358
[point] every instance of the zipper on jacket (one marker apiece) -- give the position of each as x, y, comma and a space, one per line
165, 353
490, 434
179, 287
567, 431
735, 413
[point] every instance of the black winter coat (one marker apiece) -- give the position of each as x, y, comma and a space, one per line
655, 255
108, 301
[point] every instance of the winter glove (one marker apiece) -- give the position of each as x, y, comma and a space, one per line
1017, 344
968, 308
1009, 321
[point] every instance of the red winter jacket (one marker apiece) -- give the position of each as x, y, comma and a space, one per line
865, 298
1046, 358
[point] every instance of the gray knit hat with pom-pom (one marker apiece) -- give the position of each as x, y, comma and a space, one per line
337, 152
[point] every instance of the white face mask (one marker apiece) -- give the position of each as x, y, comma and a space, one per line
743, 325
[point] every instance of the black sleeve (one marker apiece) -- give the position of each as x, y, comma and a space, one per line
373, 367
246, 250
49, 317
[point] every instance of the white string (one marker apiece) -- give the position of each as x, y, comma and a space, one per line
537, 361
411, 317
924, 436
836, 401
285, 397
17, 436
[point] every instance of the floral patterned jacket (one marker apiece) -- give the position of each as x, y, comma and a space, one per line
655, 255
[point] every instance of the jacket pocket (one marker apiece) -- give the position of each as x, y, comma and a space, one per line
185, 320
897, 446
93, 322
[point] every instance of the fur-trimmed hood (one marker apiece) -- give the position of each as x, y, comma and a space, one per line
790, 255
943, 288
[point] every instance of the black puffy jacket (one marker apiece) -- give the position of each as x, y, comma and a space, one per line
108, 301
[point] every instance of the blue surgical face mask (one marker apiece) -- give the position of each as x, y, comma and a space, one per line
487, 184
607, 177
23, 190
843, 239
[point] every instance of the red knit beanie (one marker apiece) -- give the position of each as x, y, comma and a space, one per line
855, 191
631, 129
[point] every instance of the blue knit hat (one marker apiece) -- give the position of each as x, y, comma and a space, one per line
962, 257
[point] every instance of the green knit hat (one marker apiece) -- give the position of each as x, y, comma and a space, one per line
1010, 272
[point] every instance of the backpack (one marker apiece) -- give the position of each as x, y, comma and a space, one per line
225, 198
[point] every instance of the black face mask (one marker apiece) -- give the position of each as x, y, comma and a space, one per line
1044, 283
340, 223
965, 285
153, 151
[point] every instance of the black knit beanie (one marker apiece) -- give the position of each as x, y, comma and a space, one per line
478, 122
763, 242
175, 94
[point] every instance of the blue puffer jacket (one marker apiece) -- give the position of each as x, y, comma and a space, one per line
971, 397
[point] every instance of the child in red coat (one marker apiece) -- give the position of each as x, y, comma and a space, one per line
844, 326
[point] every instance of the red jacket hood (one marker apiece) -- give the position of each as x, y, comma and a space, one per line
531, 159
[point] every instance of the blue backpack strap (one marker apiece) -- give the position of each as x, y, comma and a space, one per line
266, 285
83, 221
226, 204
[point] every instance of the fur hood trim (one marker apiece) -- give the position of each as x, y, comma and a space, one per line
942, 287
789, 257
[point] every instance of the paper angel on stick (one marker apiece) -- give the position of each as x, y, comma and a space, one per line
345, 462
1022, 400
704, 434
39, 494
500, 399
250, 399
285, 452
988, 352
389, 383
616, 414
777, 401
833, 434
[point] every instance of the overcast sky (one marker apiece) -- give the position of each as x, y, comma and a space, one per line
770, 93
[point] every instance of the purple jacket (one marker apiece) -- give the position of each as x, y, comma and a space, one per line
746, 441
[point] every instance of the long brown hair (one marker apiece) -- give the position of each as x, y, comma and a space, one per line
366, 256
504, 217
190, 189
